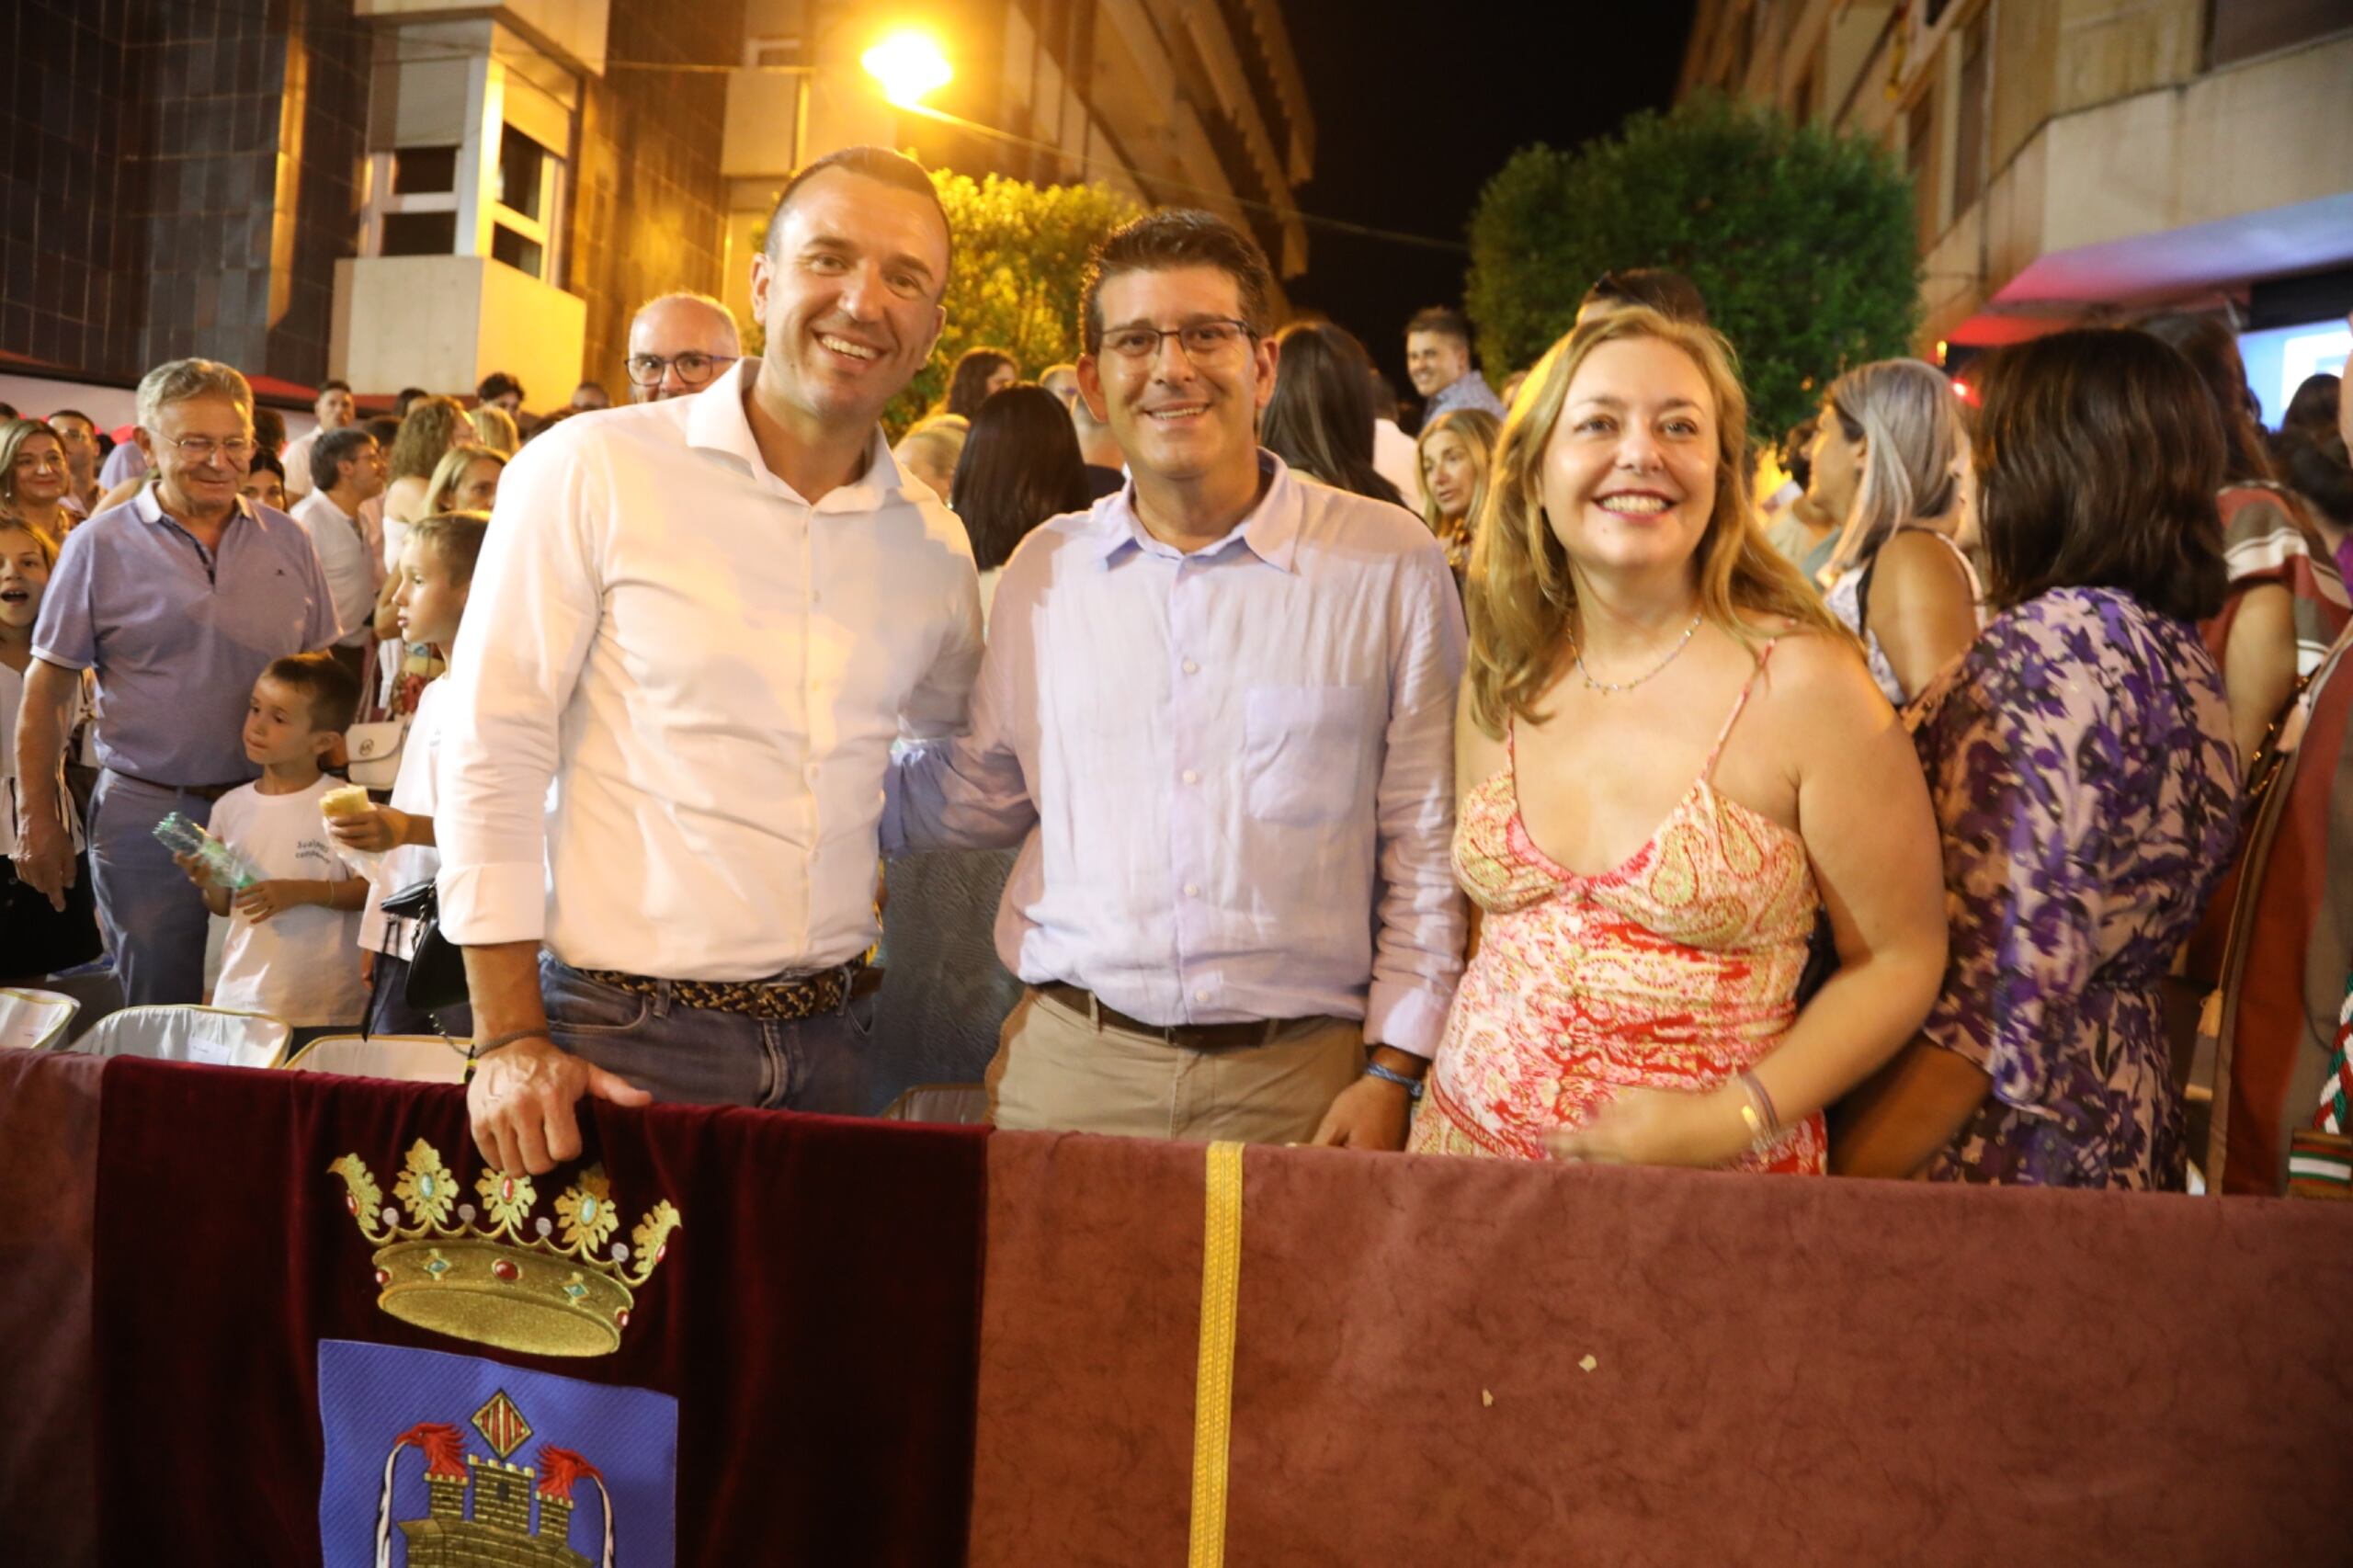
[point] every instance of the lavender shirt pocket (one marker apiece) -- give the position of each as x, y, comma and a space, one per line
1305, 752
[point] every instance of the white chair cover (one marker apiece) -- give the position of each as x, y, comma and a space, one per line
34, 1021
214, 1036
409, 1058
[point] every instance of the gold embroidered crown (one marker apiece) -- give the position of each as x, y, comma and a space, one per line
492, 1283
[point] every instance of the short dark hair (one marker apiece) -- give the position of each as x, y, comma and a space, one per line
2098, 454
73, 414
878, 163
270, 429
408, 395
332, 450
596, 387
385, 427
2213, 350
456, 538
267, 460
968, 383
1020, 466
1661, 289
332, 690
1171, 238
332, 384
1796, 450
497, 384
1443, 320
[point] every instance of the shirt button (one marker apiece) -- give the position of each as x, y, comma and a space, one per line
1192, 889
1191, 668
1190, 777
1201, 996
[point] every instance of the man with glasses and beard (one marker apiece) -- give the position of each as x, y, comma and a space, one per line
1217, 711
676, 343
179, 599
706, 620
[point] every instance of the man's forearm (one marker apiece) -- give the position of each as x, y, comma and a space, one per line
40, 738
503, 978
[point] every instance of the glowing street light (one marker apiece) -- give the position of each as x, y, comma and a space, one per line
908, 65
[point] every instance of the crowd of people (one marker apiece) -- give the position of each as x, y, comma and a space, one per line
1519, 787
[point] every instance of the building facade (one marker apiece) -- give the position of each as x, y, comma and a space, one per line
417, 192
2076, 159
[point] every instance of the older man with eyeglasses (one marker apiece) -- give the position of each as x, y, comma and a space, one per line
178, 599
678, 343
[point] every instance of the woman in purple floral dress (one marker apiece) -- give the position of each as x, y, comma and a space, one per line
2080, 760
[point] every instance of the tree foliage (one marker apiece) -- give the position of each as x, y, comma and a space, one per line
1801, 242
1019, 252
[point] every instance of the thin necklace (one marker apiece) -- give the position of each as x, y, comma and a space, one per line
1611, 688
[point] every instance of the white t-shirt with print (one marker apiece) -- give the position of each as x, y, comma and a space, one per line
302, 965
413, 792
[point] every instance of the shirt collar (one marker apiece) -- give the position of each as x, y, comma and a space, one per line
151, 510
1270, 531
716, 422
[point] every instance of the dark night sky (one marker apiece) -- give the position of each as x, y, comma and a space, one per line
1416, 105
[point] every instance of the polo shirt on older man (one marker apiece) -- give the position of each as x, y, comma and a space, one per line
178, 634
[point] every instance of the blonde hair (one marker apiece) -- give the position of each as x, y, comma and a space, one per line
452, 469
495, 428
43, 545
1521, 596
1478, 431
1905, 412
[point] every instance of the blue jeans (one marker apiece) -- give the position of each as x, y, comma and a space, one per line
153, 917
701, 1056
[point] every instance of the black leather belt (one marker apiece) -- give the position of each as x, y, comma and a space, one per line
1192, 1036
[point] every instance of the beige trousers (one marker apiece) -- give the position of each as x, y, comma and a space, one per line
1055, 1071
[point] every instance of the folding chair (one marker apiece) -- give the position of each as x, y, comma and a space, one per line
34, 1021
409, 1058
215, 1036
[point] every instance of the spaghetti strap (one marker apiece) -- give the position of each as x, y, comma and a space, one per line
1707, 769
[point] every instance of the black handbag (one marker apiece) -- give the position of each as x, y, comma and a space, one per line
437, 968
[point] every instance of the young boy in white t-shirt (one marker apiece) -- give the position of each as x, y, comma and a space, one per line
436, 571
292, 947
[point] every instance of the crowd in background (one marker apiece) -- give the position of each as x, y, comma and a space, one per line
1867, 826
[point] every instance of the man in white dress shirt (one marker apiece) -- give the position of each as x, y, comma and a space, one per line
706, 620
338, 410
347, 472
1218, 713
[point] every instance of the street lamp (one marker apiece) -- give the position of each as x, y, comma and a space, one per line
907, 65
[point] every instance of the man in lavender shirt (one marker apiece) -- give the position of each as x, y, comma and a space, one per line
1217, 713
178, 599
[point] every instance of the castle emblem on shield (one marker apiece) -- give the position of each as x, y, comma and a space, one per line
544, 1472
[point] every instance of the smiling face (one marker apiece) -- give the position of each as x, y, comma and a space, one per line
1629, 474
1436, 360
39, 478
1175, 417
279, 727
428, 601
24, 573
205, 484
849, 291
1449, 471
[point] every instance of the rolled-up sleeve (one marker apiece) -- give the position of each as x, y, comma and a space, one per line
530, 619
1417, 945
970, 791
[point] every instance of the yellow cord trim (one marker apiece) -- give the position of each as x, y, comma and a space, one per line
1213, 1383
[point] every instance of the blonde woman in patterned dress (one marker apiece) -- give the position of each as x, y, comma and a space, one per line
1667, 755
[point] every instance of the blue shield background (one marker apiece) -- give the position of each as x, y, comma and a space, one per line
369, 1394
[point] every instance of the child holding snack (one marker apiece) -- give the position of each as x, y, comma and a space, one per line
436, 569
291, 951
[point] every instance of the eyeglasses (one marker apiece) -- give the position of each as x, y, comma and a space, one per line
1201, 339
647, 369
202, 448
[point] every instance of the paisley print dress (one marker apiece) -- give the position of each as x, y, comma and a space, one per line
2079, 759
1674, 971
